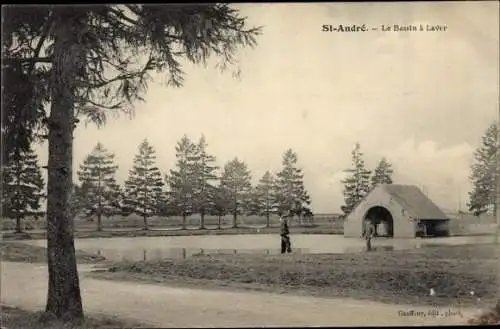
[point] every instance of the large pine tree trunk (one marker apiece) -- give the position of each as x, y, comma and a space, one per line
218, 221
63, 299
99, 225
493, 198
235, 217
268, 219
497, 201
18, 228
99, 205
183, 221
18, 224
235, 211
202, 220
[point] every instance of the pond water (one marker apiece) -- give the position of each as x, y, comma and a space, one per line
149, 248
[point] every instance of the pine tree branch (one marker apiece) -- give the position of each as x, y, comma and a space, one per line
122, 16
45, 32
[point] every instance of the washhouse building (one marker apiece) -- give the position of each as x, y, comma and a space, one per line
399, 211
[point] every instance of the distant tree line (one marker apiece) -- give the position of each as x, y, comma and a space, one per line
196, 185
361, 180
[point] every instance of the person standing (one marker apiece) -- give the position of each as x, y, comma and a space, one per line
369, 233
286, 245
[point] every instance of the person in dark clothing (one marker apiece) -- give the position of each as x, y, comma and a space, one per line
286, 245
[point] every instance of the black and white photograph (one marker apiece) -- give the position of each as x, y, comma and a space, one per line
250, 164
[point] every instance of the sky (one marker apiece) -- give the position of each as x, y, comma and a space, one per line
420, 99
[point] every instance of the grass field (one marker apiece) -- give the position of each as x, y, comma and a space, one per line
402, 277
110, 233
132, 226
16, 318
134, 221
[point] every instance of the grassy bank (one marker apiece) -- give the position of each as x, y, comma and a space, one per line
402, 277
16, 318
20, 252
108, 233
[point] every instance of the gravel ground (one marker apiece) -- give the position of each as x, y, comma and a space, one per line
25, 285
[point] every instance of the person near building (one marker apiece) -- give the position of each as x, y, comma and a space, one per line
368, 234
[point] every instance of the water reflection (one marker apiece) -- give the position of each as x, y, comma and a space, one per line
383, 248
148, 254
183, 247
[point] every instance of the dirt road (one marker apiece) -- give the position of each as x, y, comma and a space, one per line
25, 285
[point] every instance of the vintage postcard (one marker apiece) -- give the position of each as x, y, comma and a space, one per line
250, 164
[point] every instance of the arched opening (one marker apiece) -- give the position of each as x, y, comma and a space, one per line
382, 221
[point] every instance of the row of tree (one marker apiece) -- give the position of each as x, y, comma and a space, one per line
195, 186
361, 181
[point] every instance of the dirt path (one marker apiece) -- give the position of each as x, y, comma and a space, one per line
25, 285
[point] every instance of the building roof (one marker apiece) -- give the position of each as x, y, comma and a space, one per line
414, 201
